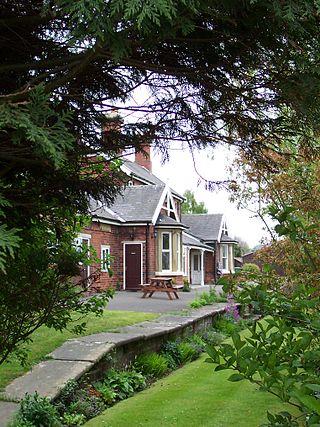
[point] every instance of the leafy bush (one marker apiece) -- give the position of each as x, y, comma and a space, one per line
73, 420
250, 268
105, 392
76, 400
213, 337
188, 352
36, 411
171, 349
186, 286
197, 304
197, 342
124, 383
88, 406
226, 326
154, 364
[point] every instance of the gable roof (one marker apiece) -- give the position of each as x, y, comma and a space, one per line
205, 226
138, 203
137, 171
189, 240
144, 175
167, 221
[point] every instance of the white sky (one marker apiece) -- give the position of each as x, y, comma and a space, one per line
180, 174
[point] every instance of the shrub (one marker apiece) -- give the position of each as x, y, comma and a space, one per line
188, 352
172, 364
226, 326
124, 383
197, 304
153, 365
250, 268
197, 342
212, 337
88, 406
106, 393
171, 348
186, 286
73, 420
36, 411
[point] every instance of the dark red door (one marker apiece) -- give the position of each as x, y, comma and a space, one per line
132, 266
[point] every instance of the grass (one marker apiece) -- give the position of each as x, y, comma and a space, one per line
46, 339
193, 396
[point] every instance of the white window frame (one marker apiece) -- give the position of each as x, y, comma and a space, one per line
178, 252
105, 261
225, 257
169, 251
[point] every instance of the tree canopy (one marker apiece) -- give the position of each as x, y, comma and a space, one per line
190, 205
236, 72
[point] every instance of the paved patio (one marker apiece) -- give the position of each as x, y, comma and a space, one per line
158, 303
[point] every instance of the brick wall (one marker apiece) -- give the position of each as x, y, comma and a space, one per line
209, 267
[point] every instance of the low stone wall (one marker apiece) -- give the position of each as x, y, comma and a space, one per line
147, 337
94, 354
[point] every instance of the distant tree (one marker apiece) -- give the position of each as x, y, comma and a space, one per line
190, 205
241, 248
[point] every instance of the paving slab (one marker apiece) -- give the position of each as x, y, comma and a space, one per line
111, 338
174, 319
47, 378
7, 411
146, 332
81, 350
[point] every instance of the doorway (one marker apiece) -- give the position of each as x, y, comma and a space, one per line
132, 266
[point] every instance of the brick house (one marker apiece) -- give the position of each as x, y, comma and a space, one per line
145, 236
217, 251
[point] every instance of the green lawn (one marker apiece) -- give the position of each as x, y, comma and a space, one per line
46, 340
194, 396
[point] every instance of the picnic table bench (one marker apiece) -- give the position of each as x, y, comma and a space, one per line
160, 284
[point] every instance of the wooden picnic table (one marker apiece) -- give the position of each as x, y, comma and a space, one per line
160, 284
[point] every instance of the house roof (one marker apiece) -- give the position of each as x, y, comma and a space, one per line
138, 203
228, 239
101, 211
139, 172
205, 226
164, 220
189, 240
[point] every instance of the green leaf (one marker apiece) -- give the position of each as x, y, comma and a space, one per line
236, 377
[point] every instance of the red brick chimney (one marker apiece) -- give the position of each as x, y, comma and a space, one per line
143, 158
112, 121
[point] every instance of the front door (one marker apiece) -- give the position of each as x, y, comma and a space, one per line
196, 268
133, 272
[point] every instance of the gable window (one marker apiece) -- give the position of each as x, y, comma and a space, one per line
225, 258
224, 229
105, 258
166, 251
169, 206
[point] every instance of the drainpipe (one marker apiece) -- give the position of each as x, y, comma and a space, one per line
215, 262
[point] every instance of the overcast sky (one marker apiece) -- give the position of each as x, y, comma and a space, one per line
180, 174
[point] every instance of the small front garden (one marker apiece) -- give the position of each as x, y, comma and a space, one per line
45, 340
200, 388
